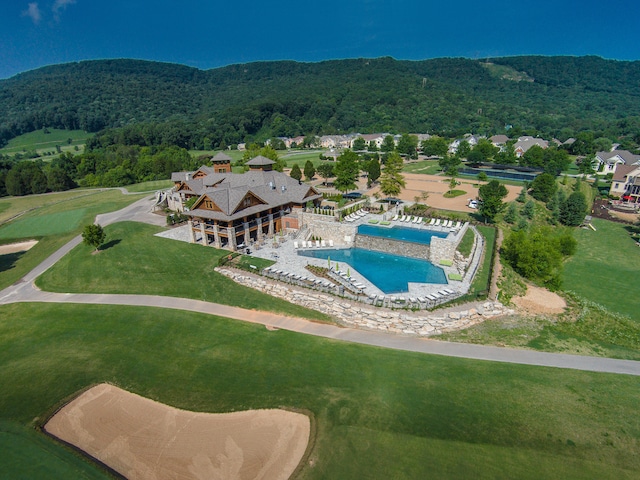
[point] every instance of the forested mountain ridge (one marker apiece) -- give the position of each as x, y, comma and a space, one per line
169, 103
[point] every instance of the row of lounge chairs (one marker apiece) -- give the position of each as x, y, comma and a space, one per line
434, 222
312, 243
355, 216
429, 300
298, 279
358, 289
348, 282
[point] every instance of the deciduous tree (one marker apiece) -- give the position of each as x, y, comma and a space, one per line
93, 235
391, 180
346, 171
491, 195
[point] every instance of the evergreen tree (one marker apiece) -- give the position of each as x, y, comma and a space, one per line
573, 209
512, 214
296, 172
543, 187
309, 170
529, 209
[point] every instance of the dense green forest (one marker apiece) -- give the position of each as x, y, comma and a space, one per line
150, 103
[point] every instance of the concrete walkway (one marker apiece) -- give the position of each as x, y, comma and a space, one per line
25, 291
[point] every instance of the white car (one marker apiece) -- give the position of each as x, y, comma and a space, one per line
472, 203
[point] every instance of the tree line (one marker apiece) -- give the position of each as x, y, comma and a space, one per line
150, 103
115, 166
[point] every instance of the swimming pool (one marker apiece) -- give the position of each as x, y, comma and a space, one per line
404, 234
390, 273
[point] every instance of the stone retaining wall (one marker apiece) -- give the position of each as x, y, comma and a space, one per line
398, 247
356, 315
327, 227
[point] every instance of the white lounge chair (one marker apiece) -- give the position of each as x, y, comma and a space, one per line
395, 218
331, 243
317, 243
437, 224
323, 243
295, 244
432, 222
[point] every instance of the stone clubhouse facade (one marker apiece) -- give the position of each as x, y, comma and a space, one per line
236, 210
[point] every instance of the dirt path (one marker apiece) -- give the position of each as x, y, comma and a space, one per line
540, 301
17, 247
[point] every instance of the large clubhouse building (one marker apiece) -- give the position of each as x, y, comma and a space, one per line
234, 210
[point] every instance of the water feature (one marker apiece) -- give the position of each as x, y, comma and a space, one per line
390, 273
404, 234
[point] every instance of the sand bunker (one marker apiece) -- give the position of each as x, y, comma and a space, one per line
17, 247
143, 439
540, 301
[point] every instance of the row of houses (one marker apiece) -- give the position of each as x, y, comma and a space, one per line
523, 143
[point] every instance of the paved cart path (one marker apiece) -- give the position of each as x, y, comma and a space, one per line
25, 291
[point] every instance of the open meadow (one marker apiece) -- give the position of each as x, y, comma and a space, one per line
378, 413
44, 144
605, 267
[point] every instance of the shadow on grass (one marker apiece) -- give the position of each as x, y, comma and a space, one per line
109, 244
8, 261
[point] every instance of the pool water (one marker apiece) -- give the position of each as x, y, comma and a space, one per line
405, 234
390, 273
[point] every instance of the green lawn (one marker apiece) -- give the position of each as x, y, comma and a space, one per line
39, 140
150, 186
156, 266
72, 210
28, 454
429, 167
379, 413
481, 280
605, 268
43, 225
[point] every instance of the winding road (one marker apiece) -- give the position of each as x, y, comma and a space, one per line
26, 291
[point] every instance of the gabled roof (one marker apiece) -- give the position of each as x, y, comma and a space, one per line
622, 171
499, 139
624, 156
227, 190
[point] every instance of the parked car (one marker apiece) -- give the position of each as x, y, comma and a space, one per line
472, 203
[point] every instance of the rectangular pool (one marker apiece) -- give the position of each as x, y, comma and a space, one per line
390, 273
404, 234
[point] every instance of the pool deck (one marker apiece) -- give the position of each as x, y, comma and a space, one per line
288, 260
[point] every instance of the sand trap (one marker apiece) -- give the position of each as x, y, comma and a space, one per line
540, 301
143, 439
17, 247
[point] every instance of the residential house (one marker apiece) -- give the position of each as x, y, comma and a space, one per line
294, 142
376, 138
234, 210
626, 183
336, 141
608, 162
499, 140
526, 142
472, 140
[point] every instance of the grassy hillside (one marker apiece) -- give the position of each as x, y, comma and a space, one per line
379, 413
258, 100
605, 268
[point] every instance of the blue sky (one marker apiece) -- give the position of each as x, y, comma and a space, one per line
208, 34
